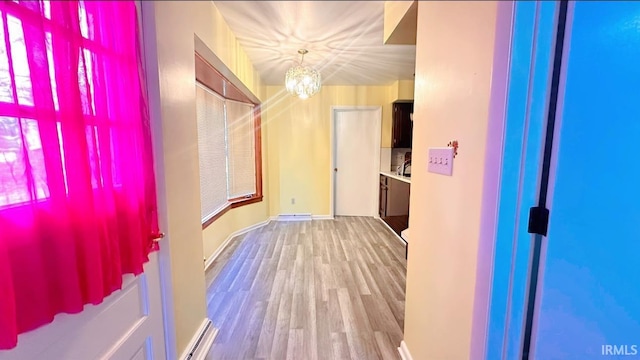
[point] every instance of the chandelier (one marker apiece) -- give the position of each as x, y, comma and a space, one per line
302, 81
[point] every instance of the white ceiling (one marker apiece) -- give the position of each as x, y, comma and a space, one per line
344, 39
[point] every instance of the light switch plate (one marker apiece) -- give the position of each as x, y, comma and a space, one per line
440, 160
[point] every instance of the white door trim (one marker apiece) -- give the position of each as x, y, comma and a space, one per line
332, 178
404, 351
150, 52
492, 175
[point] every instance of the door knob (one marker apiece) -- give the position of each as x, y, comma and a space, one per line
335, 169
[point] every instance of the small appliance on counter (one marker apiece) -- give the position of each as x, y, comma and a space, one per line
404, 169
407, 169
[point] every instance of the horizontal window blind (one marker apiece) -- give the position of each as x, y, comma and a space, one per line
210, 109
241, 149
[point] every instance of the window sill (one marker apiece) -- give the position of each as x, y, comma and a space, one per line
232, 204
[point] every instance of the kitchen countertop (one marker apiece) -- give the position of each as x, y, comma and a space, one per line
393, 175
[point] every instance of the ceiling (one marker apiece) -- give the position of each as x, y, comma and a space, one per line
344, 39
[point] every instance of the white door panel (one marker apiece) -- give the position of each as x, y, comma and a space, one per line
127, 325
357, 158
141, 354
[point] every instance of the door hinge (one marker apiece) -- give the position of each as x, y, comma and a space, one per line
538, 220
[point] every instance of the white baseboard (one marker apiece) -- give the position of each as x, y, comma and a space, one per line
393, 231
322, 217
201, 342
295, 217
404, 351
405, 234
226, 242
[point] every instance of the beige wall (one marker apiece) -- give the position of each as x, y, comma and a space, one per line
455, 48
400, 22
169, 36
298, 142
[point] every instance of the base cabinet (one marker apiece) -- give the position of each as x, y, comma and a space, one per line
394, 203
384, 188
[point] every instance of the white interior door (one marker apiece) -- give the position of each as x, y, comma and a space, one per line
357, 160
127, 325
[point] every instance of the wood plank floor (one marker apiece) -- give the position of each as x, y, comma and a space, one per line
328, 289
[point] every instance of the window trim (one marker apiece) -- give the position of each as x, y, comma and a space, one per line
209, 76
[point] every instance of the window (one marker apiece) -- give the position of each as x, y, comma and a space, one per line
13, 56
77, 189
212, 151
228, 144
241, 150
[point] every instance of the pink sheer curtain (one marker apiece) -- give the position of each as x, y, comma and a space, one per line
77, 190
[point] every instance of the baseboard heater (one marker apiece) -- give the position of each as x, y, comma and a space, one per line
201, 345
294, 217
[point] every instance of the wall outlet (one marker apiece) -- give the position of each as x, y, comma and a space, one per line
440, 160
293, 201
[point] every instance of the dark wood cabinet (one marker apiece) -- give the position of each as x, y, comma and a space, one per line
394, 203
383, 196
402, 128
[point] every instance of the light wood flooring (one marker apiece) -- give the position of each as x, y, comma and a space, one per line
322, 289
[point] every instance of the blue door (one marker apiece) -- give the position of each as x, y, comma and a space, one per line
574, 293
589, 294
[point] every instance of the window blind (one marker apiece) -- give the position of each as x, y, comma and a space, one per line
241, 149
212, 151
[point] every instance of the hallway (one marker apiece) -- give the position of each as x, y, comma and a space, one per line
327, 289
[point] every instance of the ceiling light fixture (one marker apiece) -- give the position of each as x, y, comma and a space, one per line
302, 81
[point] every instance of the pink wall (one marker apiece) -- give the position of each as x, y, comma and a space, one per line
453, 92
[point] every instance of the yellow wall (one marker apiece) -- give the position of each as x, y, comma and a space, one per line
405, 89
401, 90
455, 48
236, 219
169, 36
299, 143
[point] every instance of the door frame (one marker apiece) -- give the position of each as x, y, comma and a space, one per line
333, 153
146, 13
494, 153
546, 182
528, 94
151, 289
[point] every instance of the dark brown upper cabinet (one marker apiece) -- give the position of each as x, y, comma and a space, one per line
401, 134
